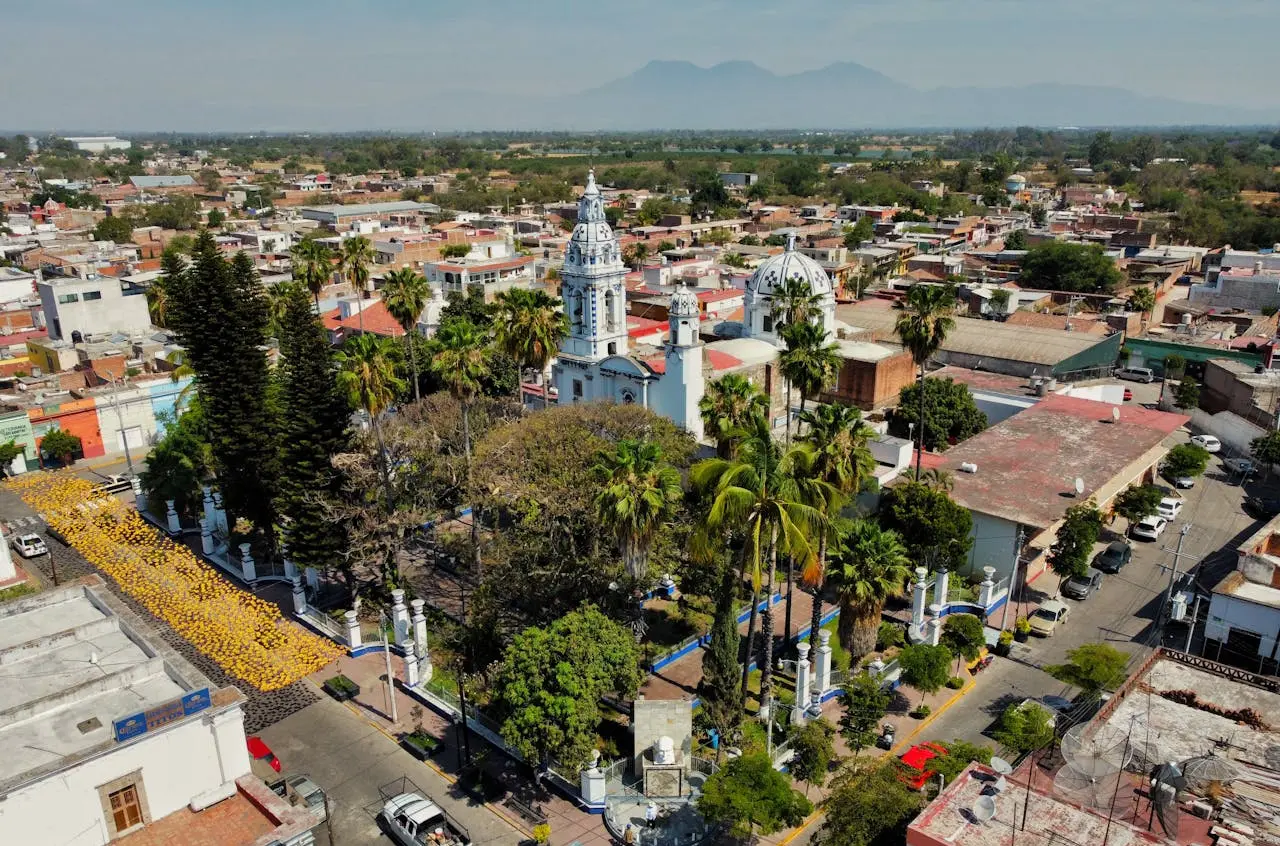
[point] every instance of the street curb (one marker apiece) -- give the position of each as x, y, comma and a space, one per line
960, 694
502, 815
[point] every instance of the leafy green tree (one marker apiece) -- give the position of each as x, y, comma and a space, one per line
926, 668
405, 294
1093, 667
546, 691
449, 251
8, 453
868, 805
934, 529
114, 228
215, 218
963, 635
1191, 460
727, 407
1024, 727
1017, 240
1069, 556
810, 362
960, 754
1265, 450
529, 328
869, 566
1142, 300
640, 493
798, 177
1137, 501
922, 327
179, 462
470, 307
859, 233
865, 702
1000, 300
634, 254
949, 412
748, 795
1187, 394
813, 748
1064, 266
314, 430
719, 690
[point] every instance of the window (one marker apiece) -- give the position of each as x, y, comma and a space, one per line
92, 295
613, 348
768, 323
126, 811
63, 299
577, 389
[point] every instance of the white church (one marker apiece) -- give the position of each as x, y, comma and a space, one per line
595, 363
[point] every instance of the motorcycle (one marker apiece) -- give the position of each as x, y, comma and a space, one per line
983, 664
885, 740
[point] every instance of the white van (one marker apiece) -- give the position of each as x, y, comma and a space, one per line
1136, 374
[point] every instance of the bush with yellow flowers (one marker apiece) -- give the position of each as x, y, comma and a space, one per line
243, 634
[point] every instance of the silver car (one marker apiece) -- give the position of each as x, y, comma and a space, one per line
29, 546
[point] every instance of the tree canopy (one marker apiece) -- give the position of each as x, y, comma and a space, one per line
1137, 501
1191, 460
950, 412
1069, 556
747, 795
934, 528
1063, 266
924, 667
1024, 727
868, 805
1093, 667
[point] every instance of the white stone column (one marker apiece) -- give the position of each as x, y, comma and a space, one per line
206, 537
410, 664
227, 729
592, 786
290, 569
219, 513
940, 588
933, 631
917, 598
312, 577
7, 570
353, 629
419, 624
299, 597
248, 569
875, 668
822, 663
171, 517
210, 509
986, 592
802, 682
399, 616
139, 495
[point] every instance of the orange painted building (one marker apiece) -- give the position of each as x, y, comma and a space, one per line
76, 416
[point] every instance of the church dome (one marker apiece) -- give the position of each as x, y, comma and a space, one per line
592, 241
684, 303
771, 275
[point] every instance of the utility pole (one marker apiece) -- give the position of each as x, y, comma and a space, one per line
391, 680
124, 436
1013, 580
462, 684
1173, 576
1191, 625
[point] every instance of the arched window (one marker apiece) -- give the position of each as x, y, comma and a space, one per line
575, 310
611, 311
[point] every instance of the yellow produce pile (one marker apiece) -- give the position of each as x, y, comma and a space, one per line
245, 635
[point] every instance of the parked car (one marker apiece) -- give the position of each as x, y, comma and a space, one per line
29, 546
1114, 557
1169, 508
1080, 587
411, 819
260, 751
1045, 619
114, 484
915, 772
1149, 527
1136, 374
1238, 465
1184, 482
1261, 507
1207, 442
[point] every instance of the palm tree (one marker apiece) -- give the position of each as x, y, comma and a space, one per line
923, 326
369, 374
870, 566
836, 440
639, 495
158, 303
405, 294
461, 362
810, 362
353, 265
793, 303
727, 406
277, 302
312, 266
938, 480
756, 494
529, 327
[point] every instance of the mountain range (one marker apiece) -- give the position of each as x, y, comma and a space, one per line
844, 95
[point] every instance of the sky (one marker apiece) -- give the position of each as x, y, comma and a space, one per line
118, 65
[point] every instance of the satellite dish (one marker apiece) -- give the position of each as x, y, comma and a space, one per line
1115, 414
1000, 785
984, 808
1001, 766
1079, 485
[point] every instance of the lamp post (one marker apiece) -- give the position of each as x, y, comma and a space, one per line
391, 680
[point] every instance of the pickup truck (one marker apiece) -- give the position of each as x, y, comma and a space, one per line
114, 484
301, 792
411, 819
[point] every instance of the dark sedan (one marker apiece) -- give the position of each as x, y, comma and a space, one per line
1080, 587
1261, 507
1113, 558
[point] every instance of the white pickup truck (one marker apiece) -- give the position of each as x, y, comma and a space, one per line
411, 819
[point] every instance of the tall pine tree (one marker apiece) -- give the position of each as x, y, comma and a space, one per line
314, 429
720, 691
220, 316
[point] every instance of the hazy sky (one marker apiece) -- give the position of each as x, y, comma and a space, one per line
326, 64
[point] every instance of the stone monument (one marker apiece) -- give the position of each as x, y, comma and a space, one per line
663, 745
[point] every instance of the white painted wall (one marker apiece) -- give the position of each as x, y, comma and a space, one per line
1234, 431
1229, 612
1113, 394
137, 417
191, 758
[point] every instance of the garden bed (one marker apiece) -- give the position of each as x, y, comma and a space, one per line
341, 688
420, 744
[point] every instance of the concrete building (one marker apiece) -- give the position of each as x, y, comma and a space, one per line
739, 180
1239, 279
341, 217
76, 308
491, 267
1244, 611
872, 375
16, 284
102, 731
1249, 391
98, 143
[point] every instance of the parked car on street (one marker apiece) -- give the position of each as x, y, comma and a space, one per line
1238, 465
411, 819
1149, 527
1261, 507
1045, 619
1136, 374
1114, 557
1080, 587
1207, 442
29, 546
915, 772
1169, 508
260, 751
1185, 482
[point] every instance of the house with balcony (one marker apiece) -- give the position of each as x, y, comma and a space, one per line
491, 267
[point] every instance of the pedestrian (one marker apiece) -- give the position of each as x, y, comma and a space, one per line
629, 836
650, 814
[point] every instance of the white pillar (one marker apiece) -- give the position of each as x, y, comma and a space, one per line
875, 668
917, 598
299, 597
353, 629
290, 569
410, 664
7, 570
139, 495
592, 786
822, 662
227, 729
802, 682
940, 588
210, 509
986, 592
313, 578
419, 621
399, 616
206, 537
219, 513
175, 525
934, 628
248, 569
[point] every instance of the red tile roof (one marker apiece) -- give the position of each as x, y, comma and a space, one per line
722, 360
376, 321
717, 296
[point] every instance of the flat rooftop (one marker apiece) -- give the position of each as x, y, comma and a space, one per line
1028, 464
72, 661
361, 209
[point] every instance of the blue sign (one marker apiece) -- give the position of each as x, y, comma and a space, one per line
127, 728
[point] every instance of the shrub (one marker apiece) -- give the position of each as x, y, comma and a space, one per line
955, 683
1022, 626
921, 712
889, 635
